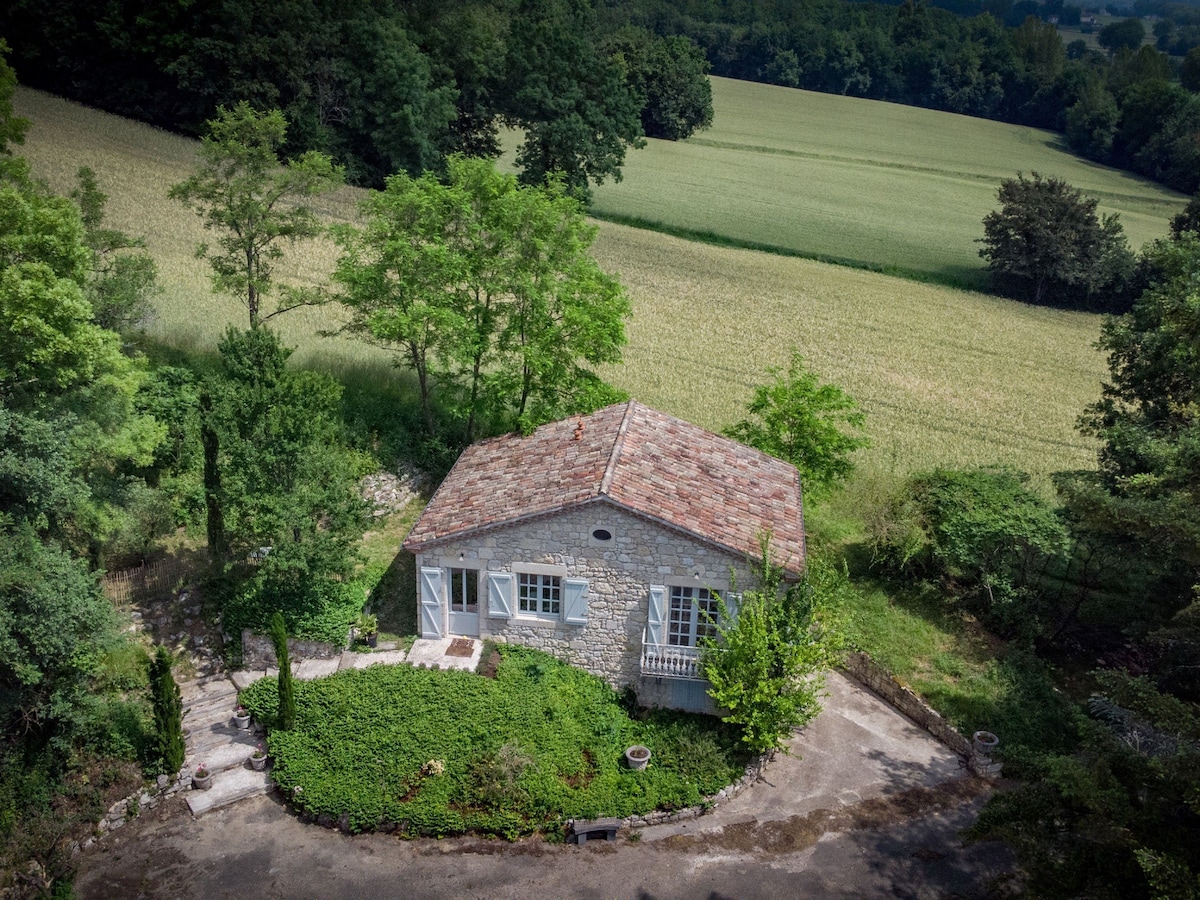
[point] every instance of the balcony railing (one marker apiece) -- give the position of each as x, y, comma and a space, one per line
670, 661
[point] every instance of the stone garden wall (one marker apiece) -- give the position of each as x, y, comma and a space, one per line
884, 685
258, 652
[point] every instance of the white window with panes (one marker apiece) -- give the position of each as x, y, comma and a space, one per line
691, 616
539, 595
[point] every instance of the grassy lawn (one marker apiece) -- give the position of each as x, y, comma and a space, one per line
864, 182
440, 753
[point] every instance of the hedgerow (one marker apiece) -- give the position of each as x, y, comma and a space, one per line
444, 752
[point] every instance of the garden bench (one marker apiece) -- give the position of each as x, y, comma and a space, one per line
582, 829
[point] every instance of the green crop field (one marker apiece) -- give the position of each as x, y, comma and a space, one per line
946, 376
871, 184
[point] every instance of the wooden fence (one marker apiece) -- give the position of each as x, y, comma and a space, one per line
146, 581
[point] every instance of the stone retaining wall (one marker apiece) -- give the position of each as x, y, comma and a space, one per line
883, 684
662, 817
124, 810
258, 652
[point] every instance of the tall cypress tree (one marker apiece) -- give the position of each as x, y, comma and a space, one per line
168, 711
287, 697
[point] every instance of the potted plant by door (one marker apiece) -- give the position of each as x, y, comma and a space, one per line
241, 717
368, 629
201, 778
258, 758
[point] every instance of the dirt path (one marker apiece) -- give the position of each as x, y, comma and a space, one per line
257, 848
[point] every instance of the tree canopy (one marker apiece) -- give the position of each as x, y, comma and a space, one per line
814, 426
487, 291
1046, 243
254, 203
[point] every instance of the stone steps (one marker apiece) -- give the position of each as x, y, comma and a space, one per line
229, 786
231, 751
217, 742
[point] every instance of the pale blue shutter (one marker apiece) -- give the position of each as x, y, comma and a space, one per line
575, 600
431, 602
499, 595
657, 617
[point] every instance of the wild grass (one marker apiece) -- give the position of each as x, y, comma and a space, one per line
973, 679
947, 377
862, 182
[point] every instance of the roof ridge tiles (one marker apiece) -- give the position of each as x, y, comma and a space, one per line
611, 469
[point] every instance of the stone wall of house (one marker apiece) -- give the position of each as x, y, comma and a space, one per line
619, 572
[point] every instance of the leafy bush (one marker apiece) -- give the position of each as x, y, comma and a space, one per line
982, 533
318, 610
448, 752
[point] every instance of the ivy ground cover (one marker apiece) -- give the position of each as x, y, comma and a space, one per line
444, 752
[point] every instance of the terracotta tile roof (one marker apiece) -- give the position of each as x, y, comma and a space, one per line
652, 464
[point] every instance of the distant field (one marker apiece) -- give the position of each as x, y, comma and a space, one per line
946, 376
873, 184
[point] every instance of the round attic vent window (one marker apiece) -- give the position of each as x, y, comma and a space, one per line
602, 534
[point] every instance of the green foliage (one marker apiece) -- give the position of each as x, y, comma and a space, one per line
573, 102
487, 292
1047, 243
983, 534
540, 743
809, 424
277, 471
316, 609
1189, 219
168, 711
122, 284
12, 126
53, 623
670, 77
766, 665
285, 709
1117, 818
1126, 34
253, 203
1147, 414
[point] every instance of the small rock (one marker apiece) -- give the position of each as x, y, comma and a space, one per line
187, 623
198, 640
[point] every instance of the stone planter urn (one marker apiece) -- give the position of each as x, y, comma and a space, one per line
201, 779
241, 718
984, 742
258, 760
637, 757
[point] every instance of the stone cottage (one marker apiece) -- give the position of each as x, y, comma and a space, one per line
604, 539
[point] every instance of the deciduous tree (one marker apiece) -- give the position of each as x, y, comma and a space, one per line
254, 203
1047, 242
816, 427
122, 284
766, 666
573, 102
487, 291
